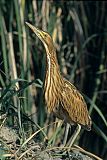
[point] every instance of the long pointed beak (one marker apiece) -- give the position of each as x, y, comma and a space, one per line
35, 30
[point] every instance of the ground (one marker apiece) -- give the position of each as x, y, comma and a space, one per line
10, 148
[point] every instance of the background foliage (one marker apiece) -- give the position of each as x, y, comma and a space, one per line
79, 31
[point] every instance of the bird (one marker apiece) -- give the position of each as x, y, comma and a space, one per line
62, 98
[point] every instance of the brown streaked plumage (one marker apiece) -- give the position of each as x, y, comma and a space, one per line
62, 98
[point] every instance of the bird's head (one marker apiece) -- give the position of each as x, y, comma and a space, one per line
43, 36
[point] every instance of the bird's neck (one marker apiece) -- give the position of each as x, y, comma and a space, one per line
53, 79
52, 68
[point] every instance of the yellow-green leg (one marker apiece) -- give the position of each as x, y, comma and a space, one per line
74, 136
66, 134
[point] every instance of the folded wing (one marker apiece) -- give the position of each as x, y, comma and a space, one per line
74, 105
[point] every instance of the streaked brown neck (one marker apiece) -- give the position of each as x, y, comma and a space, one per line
53, 79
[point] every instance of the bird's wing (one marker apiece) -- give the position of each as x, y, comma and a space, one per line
73, 102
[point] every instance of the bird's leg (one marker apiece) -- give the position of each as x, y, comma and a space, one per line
74, 136
66, 134
54, 136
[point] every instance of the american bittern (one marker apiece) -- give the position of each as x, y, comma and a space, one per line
62, 98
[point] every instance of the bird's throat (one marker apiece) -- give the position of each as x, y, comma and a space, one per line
53, 81
48, 71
